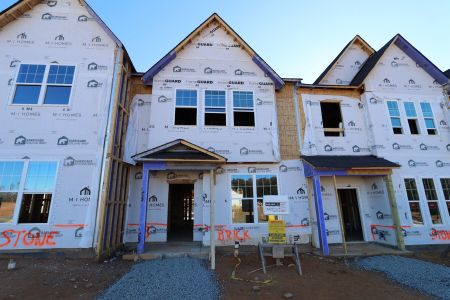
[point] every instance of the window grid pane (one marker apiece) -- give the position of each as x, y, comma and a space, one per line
243, 100
61, 74
430, 123
410, 110
430, 190
414, 201
31, 74
215, 101
186, 98
445, 183
393, 109
40, 177
10, 175
426, 110
27, 94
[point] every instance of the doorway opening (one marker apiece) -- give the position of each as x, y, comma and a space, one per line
180, 225
350, 215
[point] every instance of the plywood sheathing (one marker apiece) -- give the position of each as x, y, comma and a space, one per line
138, 87
287, 123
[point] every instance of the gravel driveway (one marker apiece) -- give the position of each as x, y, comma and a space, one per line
174, 278
425, 277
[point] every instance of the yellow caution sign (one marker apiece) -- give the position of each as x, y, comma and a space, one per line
277, 232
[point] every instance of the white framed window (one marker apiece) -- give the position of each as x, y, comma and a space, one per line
43, 85
394, 114
186, 107
445, 184
243, 109
215, 108
26, 189
247, 192
432, 200
411, 115
428, 118
413, 200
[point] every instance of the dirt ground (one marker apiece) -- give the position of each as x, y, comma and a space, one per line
433, 256
58, 278
323, 278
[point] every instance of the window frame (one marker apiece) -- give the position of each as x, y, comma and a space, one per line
399, 117
415, 118
197, 107
419, 202
340, 131
431, 118
44, 85
446, 201
436, 201
205, 106
255, 197
21, 191
233, 109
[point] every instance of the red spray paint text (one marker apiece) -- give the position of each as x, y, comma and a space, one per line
14, 238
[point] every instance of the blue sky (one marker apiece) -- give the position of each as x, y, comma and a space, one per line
297, 38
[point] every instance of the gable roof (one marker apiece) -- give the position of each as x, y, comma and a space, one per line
409, 50
356, 39
179, 151
349, 162
156, 68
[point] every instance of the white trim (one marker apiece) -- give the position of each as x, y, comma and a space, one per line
181, 106
204, 108
411, 222
232, 109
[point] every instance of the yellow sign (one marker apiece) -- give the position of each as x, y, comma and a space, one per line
277, 232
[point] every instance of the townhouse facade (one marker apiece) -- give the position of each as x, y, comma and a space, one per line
94, 155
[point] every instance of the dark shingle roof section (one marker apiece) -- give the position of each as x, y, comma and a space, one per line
447, 73
348, 162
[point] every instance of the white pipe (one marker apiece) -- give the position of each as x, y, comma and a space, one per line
212, 237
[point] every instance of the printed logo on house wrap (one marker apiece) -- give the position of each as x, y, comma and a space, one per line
22, 39
410, 232
381, 216
72, 162
412, 163
95, 42
412, 85
397, 62
443, 125
284, 168
219, 151
247, 151
263, 102
58, 41
441, 164
154, 203
21, 140
93, 66
209, 70
178, 69
52, 3
14, 63
65, 141
82, 199
328, 217
164, 99
397, 146
358, 149
51, 17
329, 148
141, 102
300, 194
375, 190
93, 84
84, 18
138, 175
240, 72
425, 147
258, 170
332, 232
386, 83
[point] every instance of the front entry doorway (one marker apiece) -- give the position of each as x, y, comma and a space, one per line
350, 215
180, 225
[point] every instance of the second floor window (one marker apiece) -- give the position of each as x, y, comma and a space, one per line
37, 84
412, 117
332, 119
215, 108
243, 109
394, 114
428, 117
186, 107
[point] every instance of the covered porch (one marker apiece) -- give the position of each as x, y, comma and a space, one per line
184, 166
329, 168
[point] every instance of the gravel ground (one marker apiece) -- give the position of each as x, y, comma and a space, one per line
175, 278
428, 278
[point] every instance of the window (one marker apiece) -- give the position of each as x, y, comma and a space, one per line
432, 199
186, 107
35, 86
10, 175
331, 119
59, 84
247, 192
412, 117
34, 190
243, 109
394, 113
445, 183
414, 201
215, 110
265, 185
428, 117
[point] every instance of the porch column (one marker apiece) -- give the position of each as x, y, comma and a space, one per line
319, 215
143, 210
212, 231
394, 212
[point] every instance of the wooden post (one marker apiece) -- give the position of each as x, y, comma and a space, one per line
310, 213
212, 233
341, 221
394, 212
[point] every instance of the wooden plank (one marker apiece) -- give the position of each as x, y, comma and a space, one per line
369, 172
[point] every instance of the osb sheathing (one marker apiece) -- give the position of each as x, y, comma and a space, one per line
287, 124
137, 87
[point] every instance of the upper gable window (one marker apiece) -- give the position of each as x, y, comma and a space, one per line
332, 118
243, 109
411, 114
215, 109
428, 117
186, 107
37, 84
394, 113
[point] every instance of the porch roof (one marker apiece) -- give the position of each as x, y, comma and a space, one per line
179, 151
